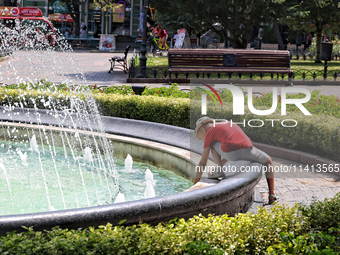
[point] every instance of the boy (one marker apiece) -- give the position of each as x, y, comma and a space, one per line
227, 141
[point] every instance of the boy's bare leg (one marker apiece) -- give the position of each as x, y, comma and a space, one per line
217, 158
270, 176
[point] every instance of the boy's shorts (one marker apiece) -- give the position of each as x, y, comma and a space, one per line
250, 154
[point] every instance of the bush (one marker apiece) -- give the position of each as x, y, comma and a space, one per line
318, 134
278, 230
310, 243
171, 111
323, 215
242, 234
322, 220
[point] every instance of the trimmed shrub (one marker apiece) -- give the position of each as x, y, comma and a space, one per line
317, 134
171, 111
323, 215
242, 234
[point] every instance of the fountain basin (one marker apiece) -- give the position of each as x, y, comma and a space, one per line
151, 142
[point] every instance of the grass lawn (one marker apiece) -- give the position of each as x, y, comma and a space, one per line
311, 66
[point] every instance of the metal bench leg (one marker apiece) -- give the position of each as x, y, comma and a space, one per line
125, 66
290, 82
112, 65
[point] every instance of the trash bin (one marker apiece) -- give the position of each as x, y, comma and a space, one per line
326, 51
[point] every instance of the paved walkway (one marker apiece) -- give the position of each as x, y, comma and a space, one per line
300, 189
82, 67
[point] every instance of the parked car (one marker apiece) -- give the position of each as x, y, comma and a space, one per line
25, 27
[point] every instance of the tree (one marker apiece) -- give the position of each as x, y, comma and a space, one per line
73, 10
314, 15
236, 16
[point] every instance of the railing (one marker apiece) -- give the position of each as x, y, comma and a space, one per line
298, 75
90, 41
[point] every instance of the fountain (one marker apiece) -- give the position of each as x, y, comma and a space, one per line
72, 129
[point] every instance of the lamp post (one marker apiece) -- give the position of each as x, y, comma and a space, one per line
142, 59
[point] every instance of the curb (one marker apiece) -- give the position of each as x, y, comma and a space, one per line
297, 156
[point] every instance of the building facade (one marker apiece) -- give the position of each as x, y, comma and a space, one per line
124, 20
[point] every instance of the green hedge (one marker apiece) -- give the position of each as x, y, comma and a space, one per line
244, 233
171, 111
317, 134
301, 229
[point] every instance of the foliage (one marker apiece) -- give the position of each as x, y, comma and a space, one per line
201, 247
278, 230
124, 90
237, 17
323, 215
242, 234
318, 134
105, 6
323, 237
327, 242
314, 15
73, 10
173, 111
172, 91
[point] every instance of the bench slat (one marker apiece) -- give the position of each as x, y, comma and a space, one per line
230, 70
220, 64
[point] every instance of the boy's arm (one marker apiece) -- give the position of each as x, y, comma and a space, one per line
202, 164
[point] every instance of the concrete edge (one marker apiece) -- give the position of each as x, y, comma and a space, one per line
297, 156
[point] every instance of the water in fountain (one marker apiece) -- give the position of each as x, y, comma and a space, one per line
33, 58
62, 166
150, 184
128, 163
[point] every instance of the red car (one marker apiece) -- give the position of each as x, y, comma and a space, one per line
25, 27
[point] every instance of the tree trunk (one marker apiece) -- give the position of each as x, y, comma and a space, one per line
278, 36
318, 46
239, 42
74, 12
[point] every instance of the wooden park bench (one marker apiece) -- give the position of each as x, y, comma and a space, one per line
122, 61
229, 61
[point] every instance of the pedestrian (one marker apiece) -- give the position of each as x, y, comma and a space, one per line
67, 34
226, 142
259, 36
161, 33
98, 32
72, 32
84, 34
193, 35
82, 25
176, 35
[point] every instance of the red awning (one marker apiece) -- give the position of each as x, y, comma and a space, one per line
60, 17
